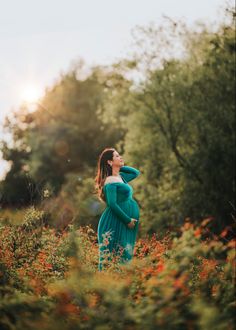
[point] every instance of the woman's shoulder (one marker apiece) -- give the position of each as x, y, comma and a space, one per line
111, 179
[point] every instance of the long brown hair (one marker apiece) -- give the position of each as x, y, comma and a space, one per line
103, 170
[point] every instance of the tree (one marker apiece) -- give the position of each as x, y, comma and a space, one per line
68, 137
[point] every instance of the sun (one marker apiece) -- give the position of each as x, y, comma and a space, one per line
30, 93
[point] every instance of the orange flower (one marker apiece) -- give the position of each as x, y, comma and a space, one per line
197, 232
49, 266
232, 243
179, 283
224, 232
160, 266
207, 267
206, 221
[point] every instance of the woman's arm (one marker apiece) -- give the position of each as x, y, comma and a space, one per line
111, 199
129, 173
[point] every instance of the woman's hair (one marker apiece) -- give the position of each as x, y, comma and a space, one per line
103, 170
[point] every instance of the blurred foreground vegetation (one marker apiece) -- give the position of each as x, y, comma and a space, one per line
50, 279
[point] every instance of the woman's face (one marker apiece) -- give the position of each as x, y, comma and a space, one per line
117, 160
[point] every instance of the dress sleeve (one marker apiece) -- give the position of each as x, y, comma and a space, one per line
111, 199
129, 173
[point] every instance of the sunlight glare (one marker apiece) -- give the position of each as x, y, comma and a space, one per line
30, 93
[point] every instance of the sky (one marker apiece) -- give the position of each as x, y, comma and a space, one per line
39, 39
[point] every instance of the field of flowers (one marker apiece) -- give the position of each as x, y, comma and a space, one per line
49, 279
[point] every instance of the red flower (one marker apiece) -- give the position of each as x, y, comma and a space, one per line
160, 266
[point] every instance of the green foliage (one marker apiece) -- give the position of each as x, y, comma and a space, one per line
27, 250
169, 108
77, 203
84, 200
181, 282
176, 125
180, 130
64, 135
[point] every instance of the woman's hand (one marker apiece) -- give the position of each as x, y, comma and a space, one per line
132, 223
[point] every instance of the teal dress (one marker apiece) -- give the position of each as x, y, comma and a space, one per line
114, 236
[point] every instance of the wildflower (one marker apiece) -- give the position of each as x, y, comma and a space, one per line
197, 232
46, 193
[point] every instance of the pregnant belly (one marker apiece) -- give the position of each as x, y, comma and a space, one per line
131, 208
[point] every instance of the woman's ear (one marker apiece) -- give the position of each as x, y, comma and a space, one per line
109, 162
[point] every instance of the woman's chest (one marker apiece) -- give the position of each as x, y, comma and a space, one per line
124, 191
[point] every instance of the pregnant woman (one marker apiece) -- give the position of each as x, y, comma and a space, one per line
118, 224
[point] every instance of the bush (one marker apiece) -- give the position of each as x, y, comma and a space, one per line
50, 280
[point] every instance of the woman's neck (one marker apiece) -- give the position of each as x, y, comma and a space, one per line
115, 171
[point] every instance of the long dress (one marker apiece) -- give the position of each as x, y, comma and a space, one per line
115, 238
